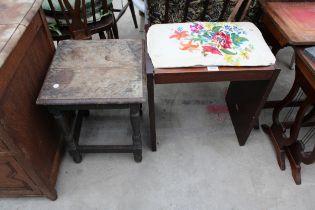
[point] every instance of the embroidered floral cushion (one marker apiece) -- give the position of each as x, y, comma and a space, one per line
207, 44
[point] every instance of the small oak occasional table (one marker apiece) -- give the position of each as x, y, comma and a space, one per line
291, 143
95, 74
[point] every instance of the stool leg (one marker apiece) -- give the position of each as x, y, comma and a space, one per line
66, 131
150, 87
136, 135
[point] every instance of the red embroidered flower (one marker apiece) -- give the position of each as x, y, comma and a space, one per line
223, 39
211, 49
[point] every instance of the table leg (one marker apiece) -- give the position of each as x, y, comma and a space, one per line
150, 86
66, 131
279, 150
245, 99
276, 130
136, 134
294, 163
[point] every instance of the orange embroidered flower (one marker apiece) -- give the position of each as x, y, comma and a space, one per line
179, 35
189, 46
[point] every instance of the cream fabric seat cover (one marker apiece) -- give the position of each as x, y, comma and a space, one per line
207, 44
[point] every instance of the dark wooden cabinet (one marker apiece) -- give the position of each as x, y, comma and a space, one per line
30, 146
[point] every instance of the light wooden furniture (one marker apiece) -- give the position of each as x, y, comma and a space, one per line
30, 147
285, 133
98, 74
248, 90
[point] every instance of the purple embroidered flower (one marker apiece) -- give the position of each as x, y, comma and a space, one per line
196, 27
228, 28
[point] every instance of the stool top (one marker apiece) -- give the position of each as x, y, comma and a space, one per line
95, 72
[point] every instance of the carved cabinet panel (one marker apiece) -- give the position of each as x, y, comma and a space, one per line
13, 178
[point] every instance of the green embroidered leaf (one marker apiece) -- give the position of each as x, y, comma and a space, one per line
216, 28
238, 40
228, 52
242, 39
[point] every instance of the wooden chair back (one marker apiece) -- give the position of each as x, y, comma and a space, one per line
76, 16
238, 13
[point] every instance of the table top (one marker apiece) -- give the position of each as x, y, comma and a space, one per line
295, 20
15, 16
95, 72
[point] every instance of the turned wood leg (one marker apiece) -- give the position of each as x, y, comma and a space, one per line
150, 86
136, 134
66, 131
